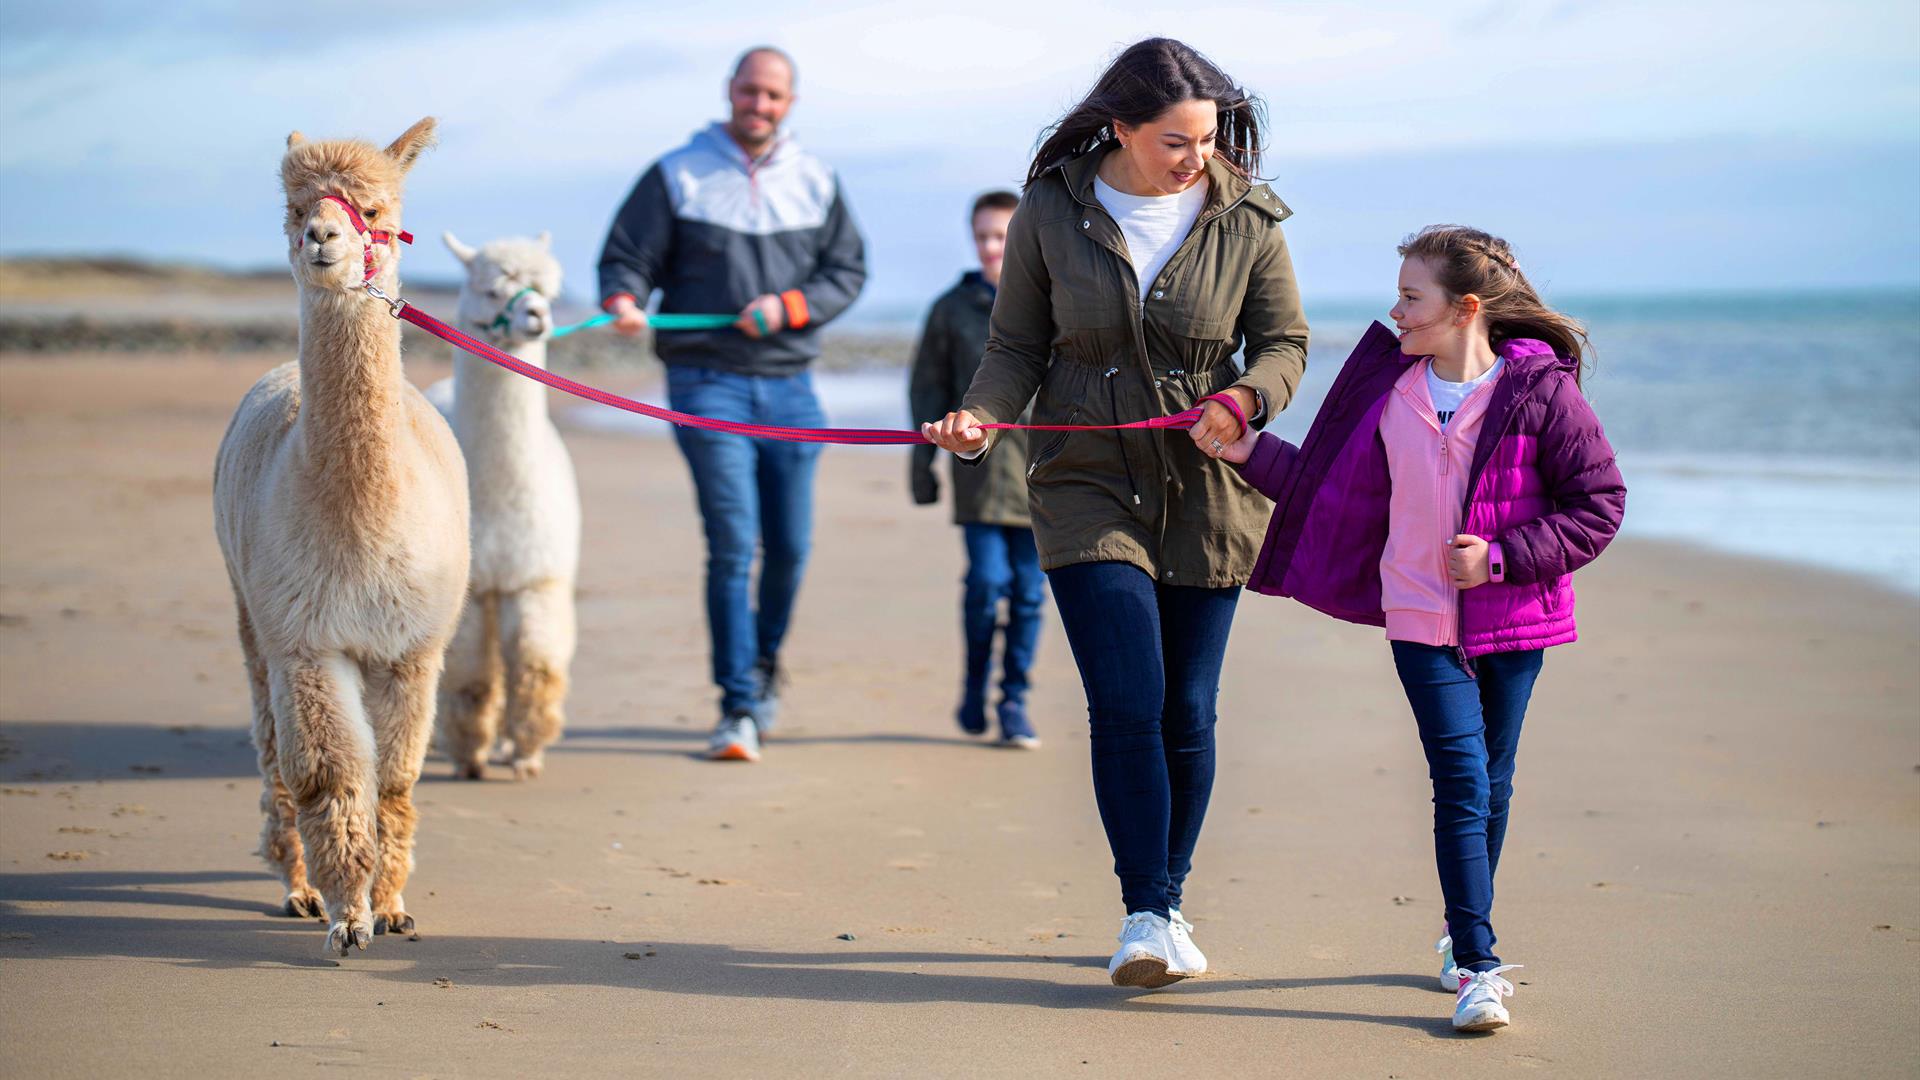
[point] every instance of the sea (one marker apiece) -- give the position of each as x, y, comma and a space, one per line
1784, 426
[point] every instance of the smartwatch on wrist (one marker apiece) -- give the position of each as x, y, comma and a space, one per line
1496, 563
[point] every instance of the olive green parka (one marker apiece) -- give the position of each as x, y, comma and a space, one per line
1072, 334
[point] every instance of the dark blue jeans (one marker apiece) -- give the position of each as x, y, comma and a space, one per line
1471, 729
1149, 656
1002, 563
753, 493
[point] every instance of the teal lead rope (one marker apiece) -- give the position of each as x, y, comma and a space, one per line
663, 321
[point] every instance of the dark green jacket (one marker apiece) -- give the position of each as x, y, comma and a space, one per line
943, 366
1071, 335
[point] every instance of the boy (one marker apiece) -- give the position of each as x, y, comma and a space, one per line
990, 501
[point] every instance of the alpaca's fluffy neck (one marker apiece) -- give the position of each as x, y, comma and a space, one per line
501, 419
487, 396
350, 400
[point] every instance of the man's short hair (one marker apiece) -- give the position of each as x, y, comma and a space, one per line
994, 200
793, 69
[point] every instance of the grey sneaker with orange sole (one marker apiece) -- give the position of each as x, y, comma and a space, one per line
735, 738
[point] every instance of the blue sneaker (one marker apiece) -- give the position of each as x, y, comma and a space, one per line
1015, 729
972, 714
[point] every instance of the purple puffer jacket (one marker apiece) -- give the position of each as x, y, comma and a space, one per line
1543, 484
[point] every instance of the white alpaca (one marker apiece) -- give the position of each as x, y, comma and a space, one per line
340, 502
516, 639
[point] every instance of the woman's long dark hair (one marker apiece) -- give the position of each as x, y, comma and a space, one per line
1146, 80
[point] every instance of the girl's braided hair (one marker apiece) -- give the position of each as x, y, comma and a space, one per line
1467, 260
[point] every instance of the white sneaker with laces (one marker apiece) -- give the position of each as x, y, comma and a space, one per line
1145, 955
1448, 980
1478, 1008
1187, 957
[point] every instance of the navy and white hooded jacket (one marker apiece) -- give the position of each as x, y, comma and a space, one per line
712, 229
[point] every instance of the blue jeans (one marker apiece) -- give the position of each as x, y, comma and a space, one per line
1149, 656
1002, 563
753, 493
1470, 729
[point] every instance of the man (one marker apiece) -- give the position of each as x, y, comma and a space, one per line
989, 502
741, 219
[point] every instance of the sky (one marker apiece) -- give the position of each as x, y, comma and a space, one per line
1625, 147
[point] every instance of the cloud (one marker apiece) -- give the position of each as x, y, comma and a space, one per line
549, 112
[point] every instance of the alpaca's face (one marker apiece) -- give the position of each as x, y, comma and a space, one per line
498, 273
323, 247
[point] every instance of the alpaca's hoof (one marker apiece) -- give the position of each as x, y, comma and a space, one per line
528, 768
470, 770
398, 922
304, 903
342, 937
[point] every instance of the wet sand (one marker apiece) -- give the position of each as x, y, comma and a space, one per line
1713, 867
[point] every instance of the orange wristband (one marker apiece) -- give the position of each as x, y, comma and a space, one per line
796, 304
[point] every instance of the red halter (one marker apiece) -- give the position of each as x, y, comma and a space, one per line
371, 236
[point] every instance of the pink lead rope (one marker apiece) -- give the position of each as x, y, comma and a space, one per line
841, 436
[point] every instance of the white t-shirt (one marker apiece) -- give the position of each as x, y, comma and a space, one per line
1154, 225
1448, 396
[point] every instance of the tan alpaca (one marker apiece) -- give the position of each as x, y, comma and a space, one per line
340, 500
507, 667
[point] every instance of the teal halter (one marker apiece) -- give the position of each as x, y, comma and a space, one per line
504, 321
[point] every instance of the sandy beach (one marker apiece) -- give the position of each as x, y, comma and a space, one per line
1713, 867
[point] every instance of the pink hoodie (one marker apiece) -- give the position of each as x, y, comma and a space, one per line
1543, 478
1429, 469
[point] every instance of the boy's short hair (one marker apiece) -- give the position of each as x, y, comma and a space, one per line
994, 200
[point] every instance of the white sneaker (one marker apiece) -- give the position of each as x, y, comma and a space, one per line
1187, 957
1478, 1008
734, 738
1145, 955
1448, 980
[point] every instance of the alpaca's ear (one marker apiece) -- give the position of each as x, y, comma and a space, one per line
295, 139
460, 251
546, 239
407, 147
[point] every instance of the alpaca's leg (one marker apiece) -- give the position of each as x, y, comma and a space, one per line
472, 691
324, 747
537, 637
279, 839
400, 702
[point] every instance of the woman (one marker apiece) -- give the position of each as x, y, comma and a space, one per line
1142, 256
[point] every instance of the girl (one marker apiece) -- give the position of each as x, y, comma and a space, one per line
1450, 484
1141, 256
